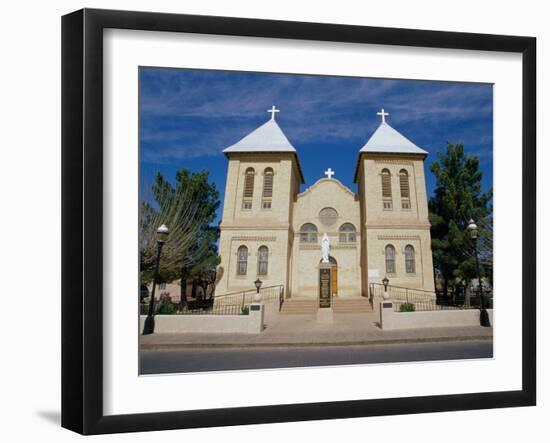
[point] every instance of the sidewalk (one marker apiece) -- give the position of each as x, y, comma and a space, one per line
300, 330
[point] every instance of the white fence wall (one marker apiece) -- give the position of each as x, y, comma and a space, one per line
389, 319
212, 324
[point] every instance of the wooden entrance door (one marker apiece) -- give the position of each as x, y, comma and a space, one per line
334, 280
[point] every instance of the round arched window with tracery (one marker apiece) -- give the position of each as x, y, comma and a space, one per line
328, 216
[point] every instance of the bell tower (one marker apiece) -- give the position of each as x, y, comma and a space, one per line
394, 210
263, 179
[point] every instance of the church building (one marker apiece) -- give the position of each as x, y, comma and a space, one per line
272, 231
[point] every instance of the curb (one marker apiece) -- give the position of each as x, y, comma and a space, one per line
194, 345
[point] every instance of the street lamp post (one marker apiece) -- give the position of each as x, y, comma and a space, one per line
258, 284
149, 325
483, 315
385, 282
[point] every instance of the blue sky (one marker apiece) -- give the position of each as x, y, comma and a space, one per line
187, 117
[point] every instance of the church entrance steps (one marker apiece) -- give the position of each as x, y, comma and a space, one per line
300, 306
357, 305
351, 306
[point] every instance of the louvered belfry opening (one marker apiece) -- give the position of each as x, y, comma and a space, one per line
267, 193
268, 183
404, 187
248, 192
386, 189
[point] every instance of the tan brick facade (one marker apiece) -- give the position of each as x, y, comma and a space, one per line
398, 226
293, 256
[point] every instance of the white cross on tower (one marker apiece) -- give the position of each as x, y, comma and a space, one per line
383, 114
272, 111
329, 173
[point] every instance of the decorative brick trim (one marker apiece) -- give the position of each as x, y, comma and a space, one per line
394, 161
418, 226
253, 238
345, 246
242, 227
398, 237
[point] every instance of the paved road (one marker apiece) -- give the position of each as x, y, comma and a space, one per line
220, 359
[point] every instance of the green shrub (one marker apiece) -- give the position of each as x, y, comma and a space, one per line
244, 310
407, 307
166, 308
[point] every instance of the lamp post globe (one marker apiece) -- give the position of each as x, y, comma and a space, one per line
162, 233
483, 314
472, 229
149, 325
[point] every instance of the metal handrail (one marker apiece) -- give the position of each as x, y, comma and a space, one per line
246, 291
404, 287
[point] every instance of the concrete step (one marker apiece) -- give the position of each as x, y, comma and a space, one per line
298, 306
352, 311
351, 306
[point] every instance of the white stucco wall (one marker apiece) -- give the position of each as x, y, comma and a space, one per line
389, 319
210, 324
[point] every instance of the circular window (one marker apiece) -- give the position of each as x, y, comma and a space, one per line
328, 216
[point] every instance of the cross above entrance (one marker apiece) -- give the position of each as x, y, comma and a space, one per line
272, 111
383, 115
329, 173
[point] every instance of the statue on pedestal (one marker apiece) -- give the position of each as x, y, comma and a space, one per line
325, 248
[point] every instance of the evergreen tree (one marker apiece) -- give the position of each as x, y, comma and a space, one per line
457, 198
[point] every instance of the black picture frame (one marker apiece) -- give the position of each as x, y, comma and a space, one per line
82, 215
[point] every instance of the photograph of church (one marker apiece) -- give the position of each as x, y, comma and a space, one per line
272, 231
311, 213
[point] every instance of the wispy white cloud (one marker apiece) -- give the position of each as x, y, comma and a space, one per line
186, 114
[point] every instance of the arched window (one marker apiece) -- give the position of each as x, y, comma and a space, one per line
248, 192
347, 233
390, 259
263, 254
242, 260
409, 259
267, 193
386, 189
308, 233
404, 187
